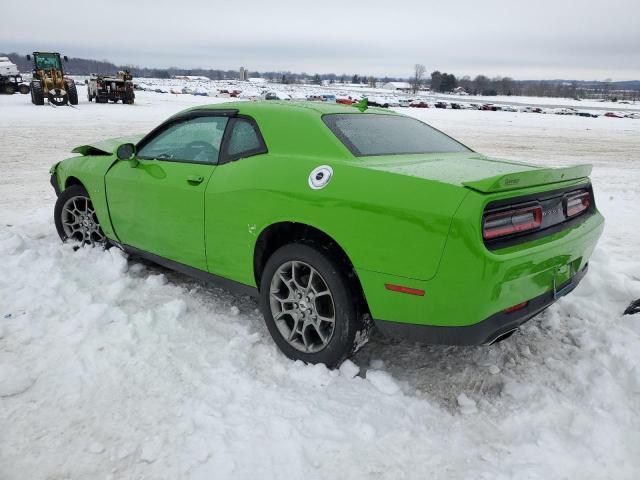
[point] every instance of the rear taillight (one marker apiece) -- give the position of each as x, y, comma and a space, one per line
577, 203
511, 221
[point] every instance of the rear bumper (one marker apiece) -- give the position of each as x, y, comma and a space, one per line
482, 333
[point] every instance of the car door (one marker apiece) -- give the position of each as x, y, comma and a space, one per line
230, 198
156, 200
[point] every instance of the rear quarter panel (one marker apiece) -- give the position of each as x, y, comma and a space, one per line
385, 222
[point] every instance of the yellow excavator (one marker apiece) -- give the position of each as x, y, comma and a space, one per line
49, 81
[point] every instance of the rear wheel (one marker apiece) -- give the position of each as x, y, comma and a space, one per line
310, 306
24, 89
72, 93
9, 89
76, 218
37, 95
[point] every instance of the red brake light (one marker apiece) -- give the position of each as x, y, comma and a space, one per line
578, 203
511, 221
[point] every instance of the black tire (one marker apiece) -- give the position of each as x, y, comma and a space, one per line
88, 232
57, 97
9, 89
350, 330
24, 89
72, 93
37, 95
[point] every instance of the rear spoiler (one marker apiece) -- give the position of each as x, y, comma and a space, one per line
105, 147
529, 178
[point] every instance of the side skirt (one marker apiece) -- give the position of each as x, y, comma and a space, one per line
210, 278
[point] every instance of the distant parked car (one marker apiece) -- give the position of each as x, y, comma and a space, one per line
508, 108
613, 115
234, 93
489, 107
329, 98
270, 96
441, 104
315, 98
455, 106
405, 102
344, 101
419, 104
377, 102
586, 114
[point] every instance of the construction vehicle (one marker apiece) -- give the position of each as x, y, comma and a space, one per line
49, 81
10, 78
111, 88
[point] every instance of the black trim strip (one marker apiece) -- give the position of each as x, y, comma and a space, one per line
225, 283
482, 333
54, 183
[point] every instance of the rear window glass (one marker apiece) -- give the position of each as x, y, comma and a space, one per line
371, 134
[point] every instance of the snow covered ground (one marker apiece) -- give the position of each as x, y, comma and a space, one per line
114, 369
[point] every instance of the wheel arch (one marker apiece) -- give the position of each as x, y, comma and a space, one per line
282, 233
71, 180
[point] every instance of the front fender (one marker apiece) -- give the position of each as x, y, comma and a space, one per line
90, 172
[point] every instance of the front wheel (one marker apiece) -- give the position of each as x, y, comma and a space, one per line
76, 219
310, 306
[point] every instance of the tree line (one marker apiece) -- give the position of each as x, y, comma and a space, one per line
442, 82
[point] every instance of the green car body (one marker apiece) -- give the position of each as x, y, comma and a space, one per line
410, 226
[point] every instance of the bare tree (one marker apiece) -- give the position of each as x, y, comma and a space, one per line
418, 74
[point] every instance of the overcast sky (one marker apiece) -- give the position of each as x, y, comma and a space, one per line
535, 39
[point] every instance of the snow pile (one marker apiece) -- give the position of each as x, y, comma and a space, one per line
112, 368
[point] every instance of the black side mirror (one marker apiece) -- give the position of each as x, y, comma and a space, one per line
29, 57
126, 151
66, 59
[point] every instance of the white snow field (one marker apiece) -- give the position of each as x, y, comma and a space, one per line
114, 369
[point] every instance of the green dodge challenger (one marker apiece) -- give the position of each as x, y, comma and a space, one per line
337, 218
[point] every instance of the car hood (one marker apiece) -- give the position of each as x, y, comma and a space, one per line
474, 171
106, 147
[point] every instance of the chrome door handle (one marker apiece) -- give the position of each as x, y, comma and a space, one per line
195, 179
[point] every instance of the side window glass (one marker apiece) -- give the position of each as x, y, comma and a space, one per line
195, 140
244, 140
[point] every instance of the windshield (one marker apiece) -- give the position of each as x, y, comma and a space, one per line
47, 61
371, 134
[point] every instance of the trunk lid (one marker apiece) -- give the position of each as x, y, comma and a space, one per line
474, 171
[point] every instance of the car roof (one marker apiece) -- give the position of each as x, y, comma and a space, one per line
321, 108
294, 127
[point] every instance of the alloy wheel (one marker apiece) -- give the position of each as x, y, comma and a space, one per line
302, 306
80, 223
